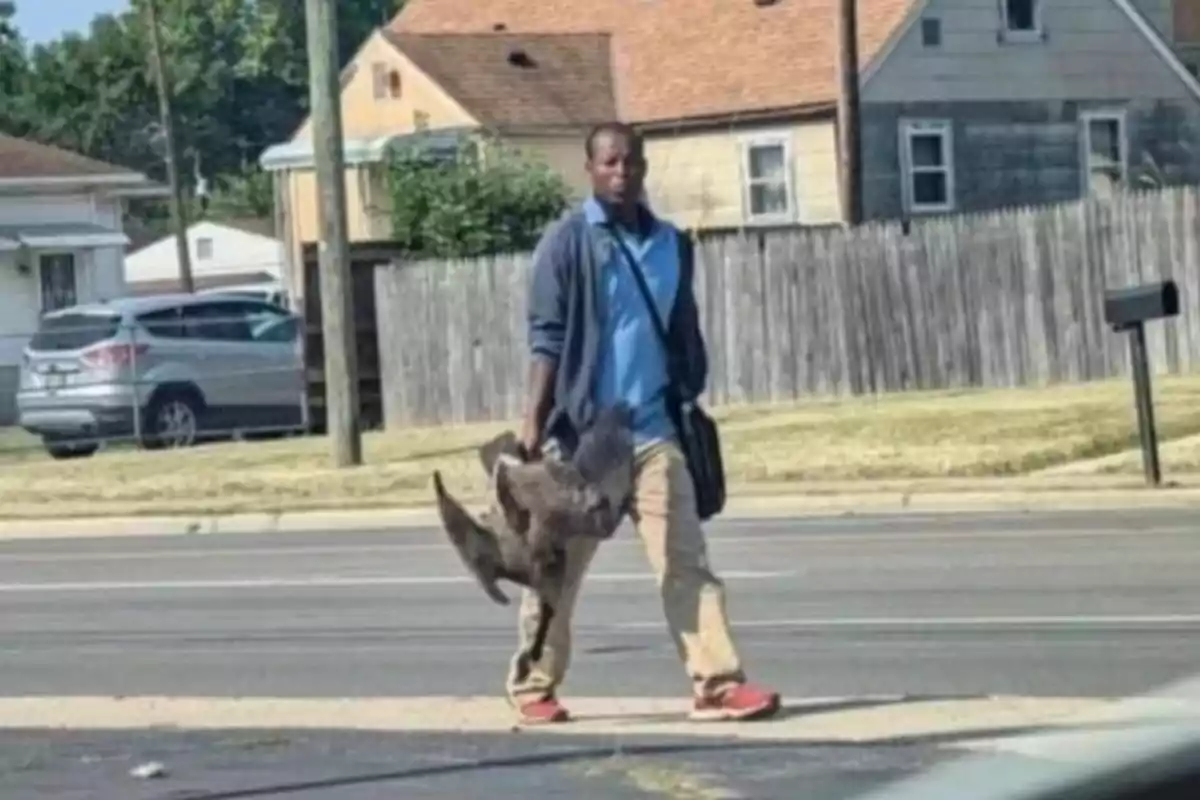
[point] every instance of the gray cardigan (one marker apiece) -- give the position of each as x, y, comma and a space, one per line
566, 314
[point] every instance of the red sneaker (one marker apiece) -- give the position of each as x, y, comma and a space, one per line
541, 712
738, 703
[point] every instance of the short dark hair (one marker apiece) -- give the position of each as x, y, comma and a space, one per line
613, 128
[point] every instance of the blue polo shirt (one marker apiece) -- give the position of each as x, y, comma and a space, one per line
632, 365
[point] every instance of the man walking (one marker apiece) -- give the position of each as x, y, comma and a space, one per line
593, 344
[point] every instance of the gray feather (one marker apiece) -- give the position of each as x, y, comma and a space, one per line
537, 506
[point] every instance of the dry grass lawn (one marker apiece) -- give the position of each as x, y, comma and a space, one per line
1179, 458
918, 436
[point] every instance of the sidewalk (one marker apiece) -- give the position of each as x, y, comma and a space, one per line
1027, 494
837, 719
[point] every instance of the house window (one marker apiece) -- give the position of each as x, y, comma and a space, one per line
1022, 19
931, 32
420, 121
1105, 152
767, 185
204, 249
386, 80
56, 274
927, 165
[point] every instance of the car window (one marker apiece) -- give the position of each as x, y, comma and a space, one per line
276, 329
165, 323
74, 331
225, 321
274, 297
264, 318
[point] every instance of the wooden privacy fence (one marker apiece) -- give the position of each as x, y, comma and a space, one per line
1012, 298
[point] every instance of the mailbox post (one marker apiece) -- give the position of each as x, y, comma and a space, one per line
1127, 311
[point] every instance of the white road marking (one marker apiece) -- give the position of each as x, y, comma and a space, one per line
716, 540
330, 581
953, 622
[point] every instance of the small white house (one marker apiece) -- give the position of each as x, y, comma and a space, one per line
224, 253
61, 241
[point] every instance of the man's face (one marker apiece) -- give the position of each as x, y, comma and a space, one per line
617, 168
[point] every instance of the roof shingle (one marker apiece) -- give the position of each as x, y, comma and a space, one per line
24, 158
519, 79
679, 59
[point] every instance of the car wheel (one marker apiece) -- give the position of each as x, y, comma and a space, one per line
61, 449
172, 420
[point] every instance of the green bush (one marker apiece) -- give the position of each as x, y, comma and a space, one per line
483, 199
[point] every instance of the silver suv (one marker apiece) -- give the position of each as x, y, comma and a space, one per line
166, 370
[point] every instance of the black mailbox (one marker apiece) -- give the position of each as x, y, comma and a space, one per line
1134, 304
1127, 311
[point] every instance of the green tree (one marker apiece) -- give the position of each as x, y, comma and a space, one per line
485, 198
239, 76
248, 193
14, 75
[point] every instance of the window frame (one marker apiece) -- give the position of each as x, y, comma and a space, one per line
386, 81
748, 145
1086, 120
72, 258
163, 323
931, 32
1011, 34
909, 130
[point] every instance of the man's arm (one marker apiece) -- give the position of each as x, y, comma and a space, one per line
538, 403
547, 324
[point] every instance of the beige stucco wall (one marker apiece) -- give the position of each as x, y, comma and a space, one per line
696, 178
563, 154
364, 116
362, 221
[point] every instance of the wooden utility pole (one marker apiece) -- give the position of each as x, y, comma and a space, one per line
165, 116
337, 301
849, 136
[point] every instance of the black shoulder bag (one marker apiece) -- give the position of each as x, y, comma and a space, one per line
698, 436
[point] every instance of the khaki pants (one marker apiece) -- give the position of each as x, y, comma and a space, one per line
693, 598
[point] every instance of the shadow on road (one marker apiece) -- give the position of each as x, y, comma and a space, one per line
567, 754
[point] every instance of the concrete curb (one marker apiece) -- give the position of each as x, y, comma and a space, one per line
851, 720
894, 501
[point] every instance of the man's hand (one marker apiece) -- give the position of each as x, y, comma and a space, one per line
530, 439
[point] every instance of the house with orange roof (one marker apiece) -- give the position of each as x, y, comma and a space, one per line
965, 106
538, 93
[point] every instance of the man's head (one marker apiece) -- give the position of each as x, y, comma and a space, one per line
616, 162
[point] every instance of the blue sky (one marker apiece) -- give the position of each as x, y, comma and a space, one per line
43, 20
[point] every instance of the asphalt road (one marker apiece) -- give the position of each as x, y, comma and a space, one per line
338, 765
1035, 604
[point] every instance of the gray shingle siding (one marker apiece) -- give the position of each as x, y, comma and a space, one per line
1024, 153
